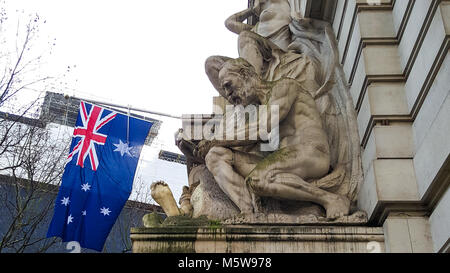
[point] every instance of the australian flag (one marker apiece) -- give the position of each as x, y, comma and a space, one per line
99, 174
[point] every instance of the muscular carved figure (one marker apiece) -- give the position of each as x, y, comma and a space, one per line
271, 33
270, 47
289, 61
303, 155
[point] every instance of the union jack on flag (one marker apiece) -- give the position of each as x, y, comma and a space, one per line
88, 132
93, 192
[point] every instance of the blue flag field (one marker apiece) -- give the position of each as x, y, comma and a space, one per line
98, 177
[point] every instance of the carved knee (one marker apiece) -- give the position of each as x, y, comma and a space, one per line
216, 156
246, 37
258, 181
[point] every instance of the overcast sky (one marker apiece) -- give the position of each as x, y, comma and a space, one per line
146, 53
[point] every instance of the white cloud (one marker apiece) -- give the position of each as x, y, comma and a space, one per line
147, 54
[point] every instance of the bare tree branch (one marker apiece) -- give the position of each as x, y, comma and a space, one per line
31, 159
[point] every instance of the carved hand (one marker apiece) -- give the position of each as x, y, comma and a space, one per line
203, 148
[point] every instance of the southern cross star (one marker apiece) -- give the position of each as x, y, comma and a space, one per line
85, 187
65, 201
105, 211
69, 219
83, 213
122, 148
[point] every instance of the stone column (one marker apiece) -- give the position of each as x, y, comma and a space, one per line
407, 233
395, 59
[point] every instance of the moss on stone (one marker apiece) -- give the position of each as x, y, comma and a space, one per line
152, 220
184, 220
279, 156
176, 247
215, 224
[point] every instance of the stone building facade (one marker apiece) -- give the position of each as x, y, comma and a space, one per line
396, 61
396, 64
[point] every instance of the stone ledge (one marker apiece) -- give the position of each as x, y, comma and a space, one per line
356, 7
258, 239
358, 218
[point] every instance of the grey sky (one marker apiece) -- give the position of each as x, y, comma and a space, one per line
149, 54
143, 53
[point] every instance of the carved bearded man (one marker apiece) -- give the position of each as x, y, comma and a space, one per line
289, 62
303, 153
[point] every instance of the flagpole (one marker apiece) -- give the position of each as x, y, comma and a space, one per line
126, 107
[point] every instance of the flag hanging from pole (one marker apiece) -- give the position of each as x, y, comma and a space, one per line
98, 176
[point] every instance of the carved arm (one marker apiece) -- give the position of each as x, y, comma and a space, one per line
235, 24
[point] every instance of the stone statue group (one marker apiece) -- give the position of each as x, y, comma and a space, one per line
289, 62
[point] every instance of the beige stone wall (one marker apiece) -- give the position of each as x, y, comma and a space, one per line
396, 60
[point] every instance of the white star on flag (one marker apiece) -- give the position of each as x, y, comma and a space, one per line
122, 148
85, 187
69, 219
65, 201
83, 213
105, 211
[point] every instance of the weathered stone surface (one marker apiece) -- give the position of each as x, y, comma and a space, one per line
289, 62
376, 23
208, 199
258, 239
186, 221
357, 218
388, 180
152, 220
408, 234
162, 194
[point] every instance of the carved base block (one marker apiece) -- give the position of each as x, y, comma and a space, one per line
358, 218
258, 239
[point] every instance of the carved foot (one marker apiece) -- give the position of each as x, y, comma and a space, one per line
185, 202
338, 207
162, 194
